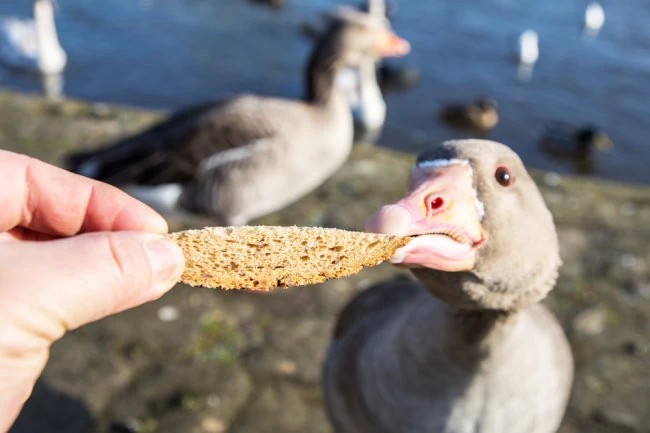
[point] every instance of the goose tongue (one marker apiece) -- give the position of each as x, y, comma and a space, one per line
441, 212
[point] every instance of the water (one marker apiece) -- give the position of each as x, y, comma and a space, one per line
172, 53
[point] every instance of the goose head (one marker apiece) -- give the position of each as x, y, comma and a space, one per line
357, 36
351, 39
482, 237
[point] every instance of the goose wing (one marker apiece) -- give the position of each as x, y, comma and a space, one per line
176, 149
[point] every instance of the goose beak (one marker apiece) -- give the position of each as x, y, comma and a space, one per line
390, 45
442, 214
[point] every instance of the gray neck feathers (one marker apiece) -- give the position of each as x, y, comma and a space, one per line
324, 64
498, 285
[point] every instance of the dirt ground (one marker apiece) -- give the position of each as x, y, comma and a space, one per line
201, 360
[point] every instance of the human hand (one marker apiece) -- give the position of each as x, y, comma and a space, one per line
72, 250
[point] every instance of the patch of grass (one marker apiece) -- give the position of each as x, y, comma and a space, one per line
218, 341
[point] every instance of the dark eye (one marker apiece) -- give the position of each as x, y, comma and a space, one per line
503, 176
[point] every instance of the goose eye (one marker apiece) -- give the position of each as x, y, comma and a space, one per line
503, 176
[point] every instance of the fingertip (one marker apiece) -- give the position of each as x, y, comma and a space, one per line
167, 263
140, 217
156, 223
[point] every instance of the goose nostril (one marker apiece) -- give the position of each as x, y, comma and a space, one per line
435, 202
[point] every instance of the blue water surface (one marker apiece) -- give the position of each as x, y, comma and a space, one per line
171, 53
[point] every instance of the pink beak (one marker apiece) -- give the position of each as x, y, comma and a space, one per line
391, 45
442, 212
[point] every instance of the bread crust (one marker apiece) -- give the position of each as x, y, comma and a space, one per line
265, 257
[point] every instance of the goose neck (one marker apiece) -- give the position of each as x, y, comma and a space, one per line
51, 55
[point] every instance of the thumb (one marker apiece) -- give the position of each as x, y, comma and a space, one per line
62, 284
47, 288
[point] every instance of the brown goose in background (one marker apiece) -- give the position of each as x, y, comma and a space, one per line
250, 155
480, 115
466, 347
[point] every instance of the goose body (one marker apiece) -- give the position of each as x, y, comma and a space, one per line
249, 155
464, 347
32, 44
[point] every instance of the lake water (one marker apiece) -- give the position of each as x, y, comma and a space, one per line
172, 53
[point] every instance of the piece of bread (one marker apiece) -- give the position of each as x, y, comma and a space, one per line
264, 257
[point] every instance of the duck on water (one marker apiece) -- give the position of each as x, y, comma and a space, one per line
465, 347
247, 156
478, 116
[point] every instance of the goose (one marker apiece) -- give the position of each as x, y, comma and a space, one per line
248, 156
594, 18
463, 346
32, 44
480, 115
366, 83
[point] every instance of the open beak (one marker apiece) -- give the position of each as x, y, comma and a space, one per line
390, 45
443, 215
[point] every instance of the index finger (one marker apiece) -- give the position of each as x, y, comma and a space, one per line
47, 199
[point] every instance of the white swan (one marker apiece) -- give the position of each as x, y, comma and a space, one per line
527, 55
374, 108
360, 86
528, 47
594, 18
32, 44
365, 97
370, 114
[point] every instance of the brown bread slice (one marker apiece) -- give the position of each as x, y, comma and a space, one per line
264, 257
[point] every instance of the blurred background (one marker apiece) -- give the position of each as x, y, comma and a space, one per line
167, 54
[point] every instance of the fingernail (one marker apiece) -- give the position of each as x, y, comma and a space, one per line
167, 262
